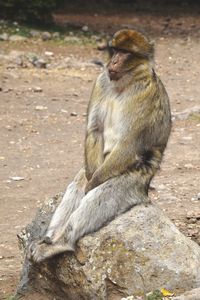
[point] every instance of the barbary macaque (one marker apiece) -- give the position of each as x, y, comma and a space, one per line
128, 126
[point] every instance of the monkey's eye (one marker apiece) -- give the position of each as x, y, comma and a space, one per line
123, 51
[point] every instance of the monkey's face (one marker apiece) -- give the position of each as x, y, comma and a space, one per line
120, 63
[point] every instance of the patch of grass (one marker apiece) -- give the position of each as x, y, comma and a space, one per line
195, 117
156, 295
83, 38
12, 298
13, 28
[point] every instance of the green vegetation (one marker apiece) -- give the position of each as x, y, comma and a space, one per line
69, 35
12, 298
28, 10
156, 295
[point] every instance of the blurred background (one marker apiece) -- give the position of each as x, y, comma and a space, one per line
50, 54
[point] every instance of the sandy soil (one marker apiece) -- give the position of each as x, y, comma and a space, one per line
42, 142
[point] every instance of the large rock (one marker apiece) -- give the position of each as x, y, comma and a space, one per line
140, 251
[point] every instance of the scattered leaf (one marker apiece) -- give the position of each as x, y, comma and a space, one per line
166, 293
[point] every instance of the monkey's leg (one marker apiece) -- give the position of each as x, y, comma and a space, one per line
71, 200
103, 204
96, 209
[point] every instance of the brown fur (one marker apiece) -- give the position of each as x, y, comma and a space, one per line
128, 127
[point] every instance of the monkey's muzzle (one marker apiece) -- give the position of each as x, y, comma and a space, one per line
113, 75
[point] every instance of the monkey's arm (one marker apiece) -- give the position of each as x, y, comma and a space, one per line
93, 152
117, 162
94, 139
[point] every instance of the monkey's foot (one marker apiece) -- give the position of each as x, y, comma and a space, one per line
42, 251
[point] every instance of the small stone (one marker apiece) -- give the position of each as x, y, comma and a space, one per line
4, 37
85, 28
46, 36
193, 232
198, 196
73, 114
187, 138
56, 35
34, 33
17, 178
40, 63
102, 46
190, 214
40, 108
48, 53
37, 89
194, 199
64, 111
192, 221
188, 166
17, 38
55, 99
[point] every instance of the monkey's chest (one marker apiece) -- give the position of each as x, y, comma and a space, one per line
112, 119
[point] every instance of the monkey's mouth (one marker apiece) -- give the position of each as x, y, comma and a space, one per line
114, 75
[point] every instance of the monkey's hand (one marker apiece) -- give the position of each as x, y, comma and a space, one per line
88, 187
91, 185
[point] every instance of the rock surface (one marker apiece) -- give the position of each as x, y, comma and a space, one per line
190, 295
140, 251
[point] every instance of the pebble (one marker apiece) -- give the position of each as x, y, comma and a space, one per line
40, 63
193, 214
46, 36
17, 178
85, 28
34, 33
73, 114
56, 35
187, 138
48, 53
102, 46
192, 220
37, 89
4, 37
188, 166
40, 107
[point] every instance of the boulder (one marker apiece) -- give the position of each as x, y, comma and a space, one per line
138, 252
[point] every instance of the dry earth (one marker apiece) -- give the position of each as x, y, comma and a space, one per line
42, 116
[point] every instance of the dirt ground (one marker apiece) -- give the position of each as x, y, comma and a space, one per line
42, 117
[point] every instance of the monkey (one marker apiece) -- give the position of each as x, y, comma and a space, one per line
128, 126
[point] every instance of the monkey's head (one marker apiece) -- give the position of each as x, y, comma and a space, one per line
128, 49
